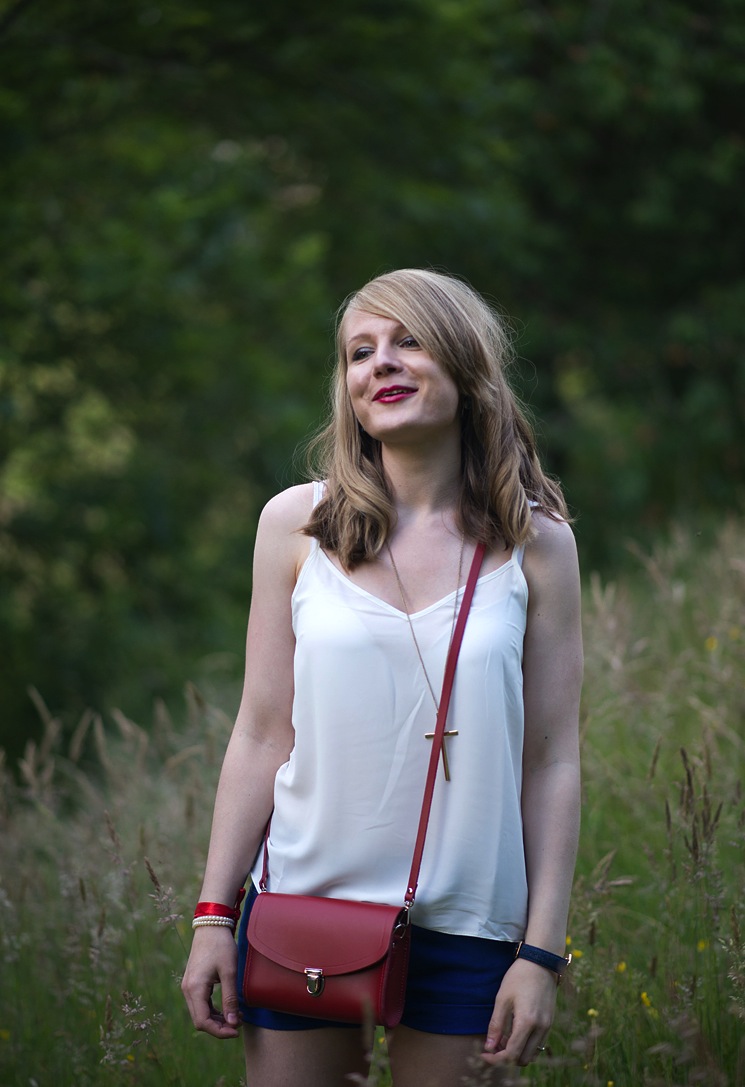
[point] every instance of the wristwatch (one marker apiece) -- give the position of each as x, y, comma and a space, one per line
555, 963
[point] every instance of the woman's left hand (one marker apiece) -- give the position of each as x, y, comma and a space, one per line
523, 1013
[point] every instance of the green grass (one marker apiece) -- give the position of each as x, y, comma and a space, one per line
103, 837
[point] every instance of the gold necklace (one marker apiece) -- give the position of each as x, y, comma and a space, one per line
450, 732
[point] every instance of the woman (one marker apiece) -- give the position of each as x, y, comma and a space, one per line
354, 597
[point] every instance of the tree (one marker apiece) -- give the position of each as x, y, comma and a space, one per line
188, 192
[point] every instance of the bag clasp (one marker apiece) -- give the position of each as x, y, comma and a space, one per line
315, 980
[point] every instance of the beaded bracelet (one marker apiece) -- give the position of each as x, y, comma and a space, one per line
218, 922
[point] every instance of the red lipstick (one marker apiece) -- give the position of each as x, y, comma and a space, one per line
393, 393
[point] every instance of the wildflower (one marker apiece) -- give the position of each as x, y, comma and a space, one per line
734, 633
4, 1035
621, 967
711, 643
702, 945
611, 1083
593, 1013
646, 1001
577, 954
569, 941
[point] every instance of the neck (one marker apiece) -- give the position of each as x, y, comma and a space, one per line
423, 481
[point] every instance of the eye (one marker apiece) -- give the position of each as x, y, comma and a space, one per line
410, 342
360, 353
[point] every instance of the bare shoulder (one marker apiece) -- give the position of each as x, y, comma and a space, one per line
279, 538
551, 554
289, 510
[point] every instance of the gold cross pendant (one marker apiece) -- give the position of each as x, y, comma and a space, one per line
431, 736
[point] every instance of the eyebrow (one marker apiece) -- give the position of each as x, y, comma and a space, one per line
399, 327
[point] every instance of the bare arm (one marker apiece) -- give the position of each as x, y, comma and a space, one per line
552, 672
261, 742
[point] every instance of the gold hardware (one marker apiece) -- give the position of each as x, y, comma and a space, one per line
315, 980
445, 764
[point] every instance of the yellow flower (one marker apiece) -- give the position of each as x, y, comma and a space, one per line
569, 941
130, 1057
734, 633
621, 967
646, 1001
711, 643
577, 954
611, 1083
702, 945
4, 1035
593, 1013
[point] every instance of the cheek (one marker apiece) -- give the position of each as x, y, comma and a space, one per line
355, 384
355, 393
446, 387
451, 398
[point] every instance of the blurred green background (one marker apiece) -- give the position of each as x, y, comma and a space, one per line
187, 192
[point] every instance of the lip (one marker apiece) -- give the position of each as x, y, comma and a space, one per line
393, 393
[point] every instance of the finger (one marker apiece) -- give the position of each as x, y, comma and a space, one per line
516, 1044
218, 1026
229, 998
498, 1031
533, 1049
206, 1017
522, 1052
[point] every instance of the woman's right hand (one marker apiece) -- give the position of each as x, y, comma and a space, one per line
213, 961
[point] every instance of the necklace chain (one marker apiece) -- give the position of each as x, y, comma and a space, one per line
408, 614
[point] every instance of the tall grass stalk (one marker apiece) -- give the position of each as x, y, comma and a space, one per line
103, 836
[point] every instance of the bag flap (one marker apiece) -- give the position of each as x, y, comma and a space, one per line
334, 935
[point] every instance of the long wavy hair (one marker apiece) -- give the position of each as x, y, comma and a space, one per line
502, 479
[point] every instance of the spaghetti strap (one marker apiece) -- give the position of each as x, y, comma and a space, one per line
518, 552
319, 489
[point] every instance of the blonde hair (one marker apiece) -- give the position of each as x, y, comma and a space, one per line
501, 474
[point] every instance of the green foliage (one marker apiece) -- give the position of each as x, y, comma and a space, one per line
188, 191
103, 840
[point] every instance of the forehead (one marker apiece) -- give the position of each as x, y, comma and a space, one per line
359, 324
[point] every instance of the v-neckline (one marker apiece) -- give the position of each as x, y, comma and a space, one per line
392, 607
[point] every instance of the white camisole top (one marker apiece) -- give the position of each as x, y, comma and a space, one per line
347, 802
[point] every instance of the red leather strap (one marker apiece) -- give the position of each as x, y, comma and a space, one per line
447, 690
265, 866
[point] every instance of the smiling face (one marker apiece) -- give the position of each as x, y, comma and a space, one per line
398, 392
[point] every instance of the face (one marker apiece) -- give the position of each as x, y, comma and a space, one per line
398, 392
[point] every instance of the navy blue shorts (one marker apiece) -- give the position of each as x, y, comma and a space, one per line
451, 987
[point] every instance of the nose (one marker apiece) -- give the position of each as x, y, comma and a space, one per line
386, 359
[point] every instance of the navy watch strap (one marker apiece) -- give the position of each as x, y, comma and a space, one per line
556, 963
